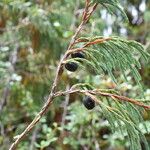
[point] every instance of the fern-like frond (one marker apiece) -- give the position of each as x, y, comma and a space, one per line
125, 119
113, 54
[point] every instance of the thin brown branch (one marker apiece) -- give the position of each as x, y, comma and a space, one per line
91, 11
86, 10
81, 40
52, 93
99, 92
97, 41
85, 18
33, 138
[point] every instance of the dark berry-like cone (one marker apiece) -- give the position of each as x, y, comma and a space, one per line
78, 55
89, 103
71, 66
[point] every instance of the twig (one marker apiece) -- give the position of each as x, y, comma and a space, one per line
98, 92
80, 133
97, 41
33, 139
65, 106
52, 93
91, 11
85, 18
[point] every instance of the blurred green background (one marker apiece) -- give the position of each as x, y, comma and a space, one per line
34, 34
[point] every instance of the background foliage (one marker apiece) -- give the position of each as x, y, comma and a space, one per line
33, 36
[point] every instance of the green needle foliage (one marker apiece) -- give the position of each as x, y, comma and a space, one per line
114, 54
124, 119
108, 56
120, 117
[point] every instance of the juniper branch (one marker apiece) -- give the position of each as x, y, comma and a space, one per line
92, 93
55, 83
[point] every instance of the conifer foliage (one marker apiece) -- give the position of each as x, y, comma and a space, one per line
99, 55
110, 54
